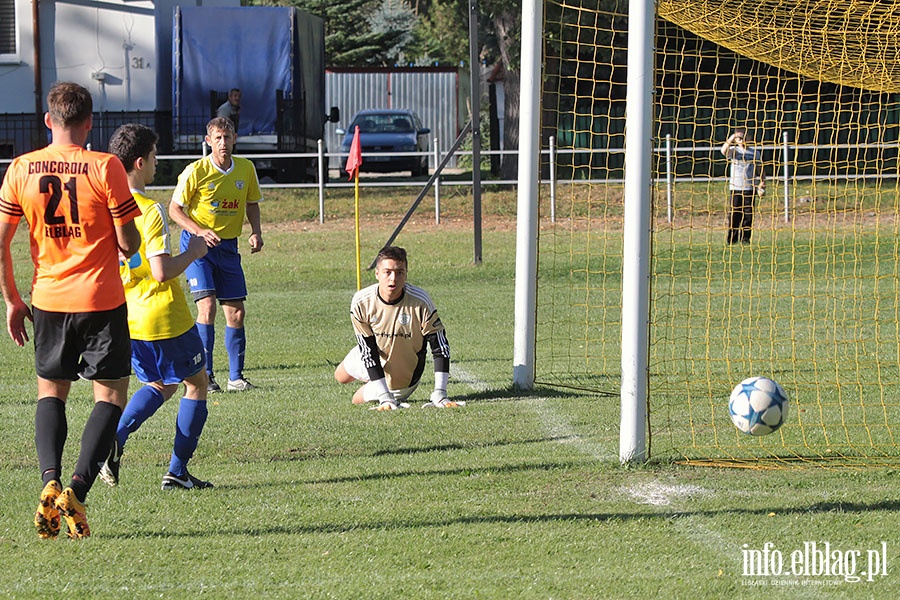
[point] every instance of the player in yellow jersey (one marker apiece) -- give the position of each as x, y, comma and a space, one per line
395, 322
80, 216
212, 198
165, 346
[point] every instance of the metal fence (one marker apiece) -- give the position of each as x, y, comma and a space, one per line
559, 165
437, 94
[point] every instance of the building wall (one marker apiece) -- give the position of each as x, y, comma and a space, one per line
16, 93
118, 49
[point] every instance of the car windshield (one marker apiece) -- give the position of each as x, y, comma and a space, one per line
384, 123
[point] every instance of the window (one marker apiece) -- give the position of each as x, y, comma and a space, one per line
8, 49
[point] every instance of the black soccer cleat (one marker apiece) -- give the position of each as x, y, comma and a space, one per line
188, 482
109, 472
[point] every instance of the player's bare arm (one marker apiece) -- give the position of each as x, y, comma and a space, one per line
176, 212
16, 310
253, 216
165, 266
128, 238
727, 146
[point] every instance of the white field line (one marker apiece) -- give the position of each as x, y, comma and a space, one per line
558, 428
554, 424
463, 376
657, 493
693, 527
661, 494
665, 496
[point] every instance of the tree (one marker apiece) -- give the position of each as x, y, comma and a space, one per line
504, 42
442, 35
396, 22
350, 38
509, 28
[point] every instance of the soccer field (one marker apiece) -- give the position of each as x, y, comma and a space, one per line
517, 495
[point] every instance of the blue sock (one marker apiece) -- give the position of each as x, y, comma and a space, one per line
142, 405
236, 344
208, 336
188, 427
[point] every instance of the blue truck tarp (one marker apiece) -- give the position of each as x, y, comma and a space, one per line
255, 49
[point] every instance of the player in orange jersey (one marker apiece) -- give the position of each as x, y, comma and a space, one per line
80, 216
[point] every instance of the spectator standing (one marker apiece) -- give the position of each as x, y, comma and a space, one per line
747, 180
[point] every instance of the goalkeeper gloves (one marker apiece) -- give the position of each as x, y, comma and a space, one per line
386, 401
439, 399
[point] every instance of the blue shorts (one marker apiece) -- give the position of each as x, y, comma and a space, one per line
170, 361
219, 273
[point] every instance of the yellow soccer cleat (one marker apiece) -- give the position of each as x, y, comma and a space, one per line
46, 518
73, 511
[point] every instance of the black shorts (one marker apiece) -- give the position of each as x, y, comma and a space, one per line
89, 345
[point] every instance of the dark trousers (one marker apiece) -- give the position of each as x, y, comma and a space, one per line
740, 216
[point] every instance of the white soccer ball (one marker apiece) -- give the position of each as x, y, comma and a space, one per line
758, 406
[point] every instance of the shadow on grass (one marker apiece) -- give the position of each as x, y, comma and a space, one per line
447, 447
413, 520
461, 471
514, 393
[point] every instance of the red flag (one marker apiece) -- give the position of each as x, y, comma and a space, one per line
355, 159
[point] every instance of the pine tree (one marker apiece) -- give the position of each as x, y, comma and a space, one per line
355, 30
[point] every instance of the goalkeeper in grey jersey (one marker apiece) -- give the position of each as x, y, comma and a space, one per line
395, 323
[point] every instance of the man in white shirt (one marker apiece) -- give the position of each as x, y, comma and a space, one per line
748, 179
231, 108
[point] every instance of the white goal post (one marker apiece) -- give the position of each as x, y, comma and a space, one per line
636, 250
528, 184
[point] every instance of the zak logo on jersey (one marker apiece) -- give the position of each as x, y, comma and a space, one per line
404, 319
227, 204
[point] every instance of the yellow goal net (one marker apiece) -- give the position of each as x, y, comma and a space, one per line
812, 301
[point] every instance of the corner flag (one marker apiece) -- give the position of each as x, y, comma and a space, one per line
354, 160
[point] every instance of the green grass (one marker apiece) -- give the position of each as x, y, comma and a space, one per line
812, 303
518, 495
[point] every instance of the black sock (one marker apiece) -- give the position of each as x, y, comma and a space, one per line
50, 431
96, 441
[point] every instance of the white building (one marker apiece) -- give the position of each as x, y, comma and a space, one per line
121, 50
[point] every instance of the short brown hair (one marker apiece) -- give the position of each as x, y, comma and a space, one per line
132, 141
69, 104
392, 253
219, 123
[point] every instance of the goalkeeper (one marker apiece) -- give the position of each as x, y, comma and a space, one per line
395, 322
